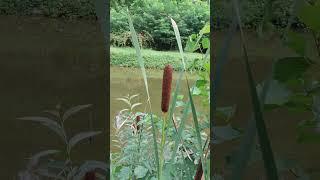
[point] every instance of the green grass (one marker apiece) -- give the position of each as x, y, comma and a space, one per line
126, 57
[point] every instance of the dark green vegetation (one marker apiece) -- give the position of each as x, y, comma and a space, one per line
152, 21
222, 11
64, 167
49, 8
292, 85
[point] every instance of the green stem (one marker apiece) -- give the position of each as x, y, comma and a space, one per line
163, 138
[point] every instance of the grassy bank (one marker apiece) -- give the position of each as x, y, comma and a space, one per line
126, 57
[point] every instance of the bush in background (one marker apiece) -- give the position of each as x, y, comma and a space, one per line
49, 8
151, 17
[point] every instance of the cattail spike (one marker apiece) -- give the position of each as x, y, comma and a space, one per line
90, 175
137, 121
199, 172
166, 88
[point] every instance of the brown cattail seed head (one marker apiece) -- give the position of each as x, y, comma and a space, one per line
90, 175
166, 88
137, 121
199, 172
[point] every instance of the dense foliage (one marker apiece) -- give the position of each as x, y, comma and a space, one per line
50, 8
151, 17
157, 11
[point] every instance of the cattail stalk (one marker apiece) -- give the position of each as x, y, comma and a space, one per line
166, 94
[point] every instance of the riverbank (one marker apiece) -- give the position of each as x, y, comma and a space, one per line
126, 57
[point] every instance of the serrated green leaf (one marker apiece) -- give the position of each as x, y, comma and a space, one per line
205, 43
140, 171
124, 173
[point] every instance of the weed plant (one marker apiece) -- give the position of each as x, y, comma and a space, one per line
41, 167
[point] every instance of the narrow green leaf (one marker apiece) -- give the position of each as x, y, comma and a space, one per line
180, 129
178, 38
74, 110
136, 44
196, 125
174, 99
81, 136
268, 157
35, 158
51, 124
177, 34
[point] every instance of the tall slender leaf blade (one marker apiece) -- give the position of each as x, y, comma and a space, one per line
180, 129
136, 44
196, 125
51, 124
174, 99
35, 158
74, 110
268, 157
177, 34
178, 38
81, 136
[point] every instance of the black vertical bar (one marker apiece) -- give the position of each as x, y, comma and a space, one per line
212, 92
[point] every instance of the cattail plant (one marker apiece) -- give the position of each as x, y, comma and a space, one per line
166, 88
166, 93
